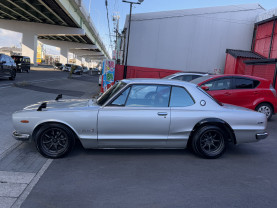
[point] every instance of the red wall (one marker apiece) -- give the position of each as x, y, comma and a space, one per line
264, 71
234, 65
230, 64
141, 72
263, 39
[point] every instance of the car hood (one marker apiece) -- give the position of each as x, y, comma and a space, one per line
69, 104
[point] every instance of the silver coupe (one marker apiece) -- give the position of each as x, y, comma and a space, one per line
140, 113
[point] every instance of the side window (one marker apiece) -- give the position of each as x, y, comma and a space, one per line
195, 76
219, 84
148, 96
121, 99
241, 83
180, 98
177, 78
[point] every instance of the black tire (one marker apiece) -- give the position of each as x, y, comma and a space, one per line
54, 140
209, 142
266, 109
13, 75
28, 70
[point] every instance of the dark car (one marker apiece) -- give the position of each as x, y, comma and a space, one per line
22, 63
7, 67
58, 65
78, 70
85, 70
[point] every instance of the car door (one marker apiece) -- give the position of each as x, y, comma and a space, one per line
138, 117
244, 93
183, 117
221, 89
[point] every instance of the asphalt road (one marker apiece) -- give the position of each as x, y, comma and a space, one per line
20, 163
244, 177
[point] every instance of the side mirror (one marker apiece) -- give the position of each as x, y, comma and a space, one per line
205, 88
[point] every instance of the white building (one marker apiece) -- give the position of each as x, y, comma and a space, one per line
191, 39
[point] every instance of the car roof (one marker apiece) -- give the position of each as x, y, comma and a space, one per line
190, 72
20, 56
238, 75
157, 81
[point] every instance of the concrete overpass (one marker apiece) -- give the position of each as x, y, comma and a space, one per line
61, 23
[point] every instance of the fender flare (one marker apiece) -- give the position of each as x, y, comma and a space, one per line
218, 122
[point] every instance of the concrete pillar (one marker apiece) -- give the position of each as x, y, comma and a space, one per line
64, 55
29, 47
78, 60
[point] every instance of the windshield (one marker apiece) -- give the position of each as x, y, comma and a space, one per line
110, 92
17, 59
200, 79
218, 102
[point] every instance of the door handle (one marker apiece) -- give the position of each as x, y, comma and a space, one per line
162, 114
256, 92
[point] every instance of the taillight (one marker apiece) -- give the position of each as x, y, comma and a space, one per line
273, 90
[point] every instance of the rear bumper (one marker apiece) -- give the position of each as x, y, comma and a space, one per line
261, 136
21, 137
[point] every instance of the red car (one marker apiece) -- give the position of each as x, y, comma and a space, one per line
247, 91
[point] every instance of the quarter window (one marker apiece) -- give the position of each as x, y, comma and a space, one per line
180, 98
241, 83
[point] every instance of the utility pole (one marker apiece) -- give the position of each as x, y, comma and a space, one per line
129, 29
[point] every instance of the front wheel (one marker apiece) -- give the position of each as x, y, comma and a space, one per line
209, 142
266, 109
54, 140
13, 75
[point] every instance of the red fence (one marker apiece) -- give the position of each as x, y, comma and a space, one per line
141, 72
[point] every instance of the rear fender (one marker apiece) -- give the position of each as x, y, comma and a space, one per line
216, 122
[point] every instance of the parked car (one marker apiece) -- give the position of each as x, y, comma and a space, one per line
7, 67
78, 70
186, 76
59, 66
67, 67
22, 63
247, 91
85, 69
140, 113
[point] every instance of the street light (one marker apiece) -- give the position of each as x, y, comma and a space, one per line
129, 29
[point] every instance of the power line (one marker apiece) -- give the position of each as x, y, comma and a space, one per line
106, 3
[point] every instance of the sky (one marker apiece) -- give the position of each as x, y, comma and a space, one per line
117, 7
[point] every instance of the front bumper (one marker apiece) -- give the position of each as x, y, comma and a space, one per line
261, 136
21, 137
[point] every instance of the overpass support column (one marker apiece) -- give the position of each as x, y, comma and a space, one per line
29, 46
64, 55
78, 60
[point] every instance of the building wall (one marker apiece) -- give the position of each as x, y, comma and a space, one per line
265, 71
190, 40
263, 38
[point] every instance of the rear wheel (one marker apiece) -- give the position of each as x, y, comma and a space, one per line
54, 140
266, 109
209, 142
